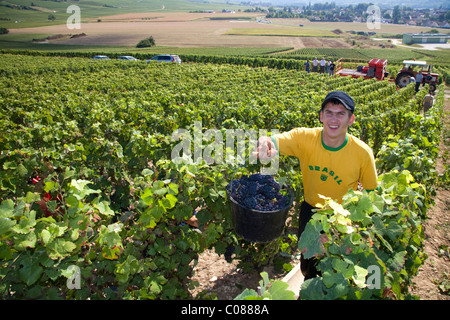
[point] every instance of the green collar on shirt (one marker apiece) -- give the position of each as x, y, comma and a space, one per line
333, 149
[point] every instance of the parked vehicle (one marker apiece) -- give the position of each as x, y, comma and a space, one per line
166, 58
130, 58
100, 57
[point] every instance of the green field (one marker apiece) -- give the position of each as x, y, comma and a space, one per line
12, 16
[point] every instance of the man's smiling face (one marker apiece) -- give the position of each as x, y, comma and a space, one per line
336, 119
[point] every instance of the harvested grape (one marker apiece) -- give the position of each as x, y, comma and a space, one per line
257, 192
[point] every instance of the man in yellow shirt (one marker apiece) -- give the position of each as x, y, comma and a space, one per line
331, 160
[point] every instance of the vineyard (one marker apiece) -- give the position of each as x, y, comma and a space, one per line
394, 55
90, 193
278, 58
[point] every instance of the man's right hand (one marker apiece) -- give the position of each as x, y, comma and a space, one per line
266, 149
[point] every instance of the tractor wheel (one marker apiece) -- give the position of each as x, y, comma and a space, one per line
432, 87
403, 79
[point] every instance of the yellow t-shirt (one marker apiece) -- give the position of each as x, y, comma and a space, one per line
331, 172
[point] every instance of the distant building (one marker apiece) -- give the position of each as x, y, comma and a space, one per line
410, 38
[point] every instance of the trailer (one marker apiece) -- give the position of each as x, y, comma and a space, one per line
375, 69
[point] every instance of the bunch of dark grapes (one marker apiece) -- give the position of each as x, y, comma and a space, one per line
257, 192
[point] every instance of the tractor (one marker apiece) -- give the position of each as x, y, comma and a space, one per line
411, 68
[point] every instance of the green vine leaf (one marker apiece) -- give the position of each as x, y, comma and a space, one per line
310, 243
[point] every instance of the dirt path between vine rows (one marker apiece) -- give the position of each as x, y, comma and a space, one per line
226, 280
215, 275
434, 275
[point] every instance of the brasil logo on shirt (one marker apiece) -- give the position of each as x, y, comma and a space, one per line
325, 173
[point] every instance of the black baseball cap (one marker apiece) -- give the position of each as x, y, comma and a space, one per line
342, 97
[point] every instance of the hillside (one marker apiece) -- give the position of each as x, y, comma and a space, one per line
21, 14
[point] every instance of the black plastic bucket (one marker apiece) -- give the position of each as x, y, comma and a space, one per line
259, 226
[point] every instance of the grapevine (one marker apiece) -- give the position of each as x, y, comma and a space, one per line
87, 179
